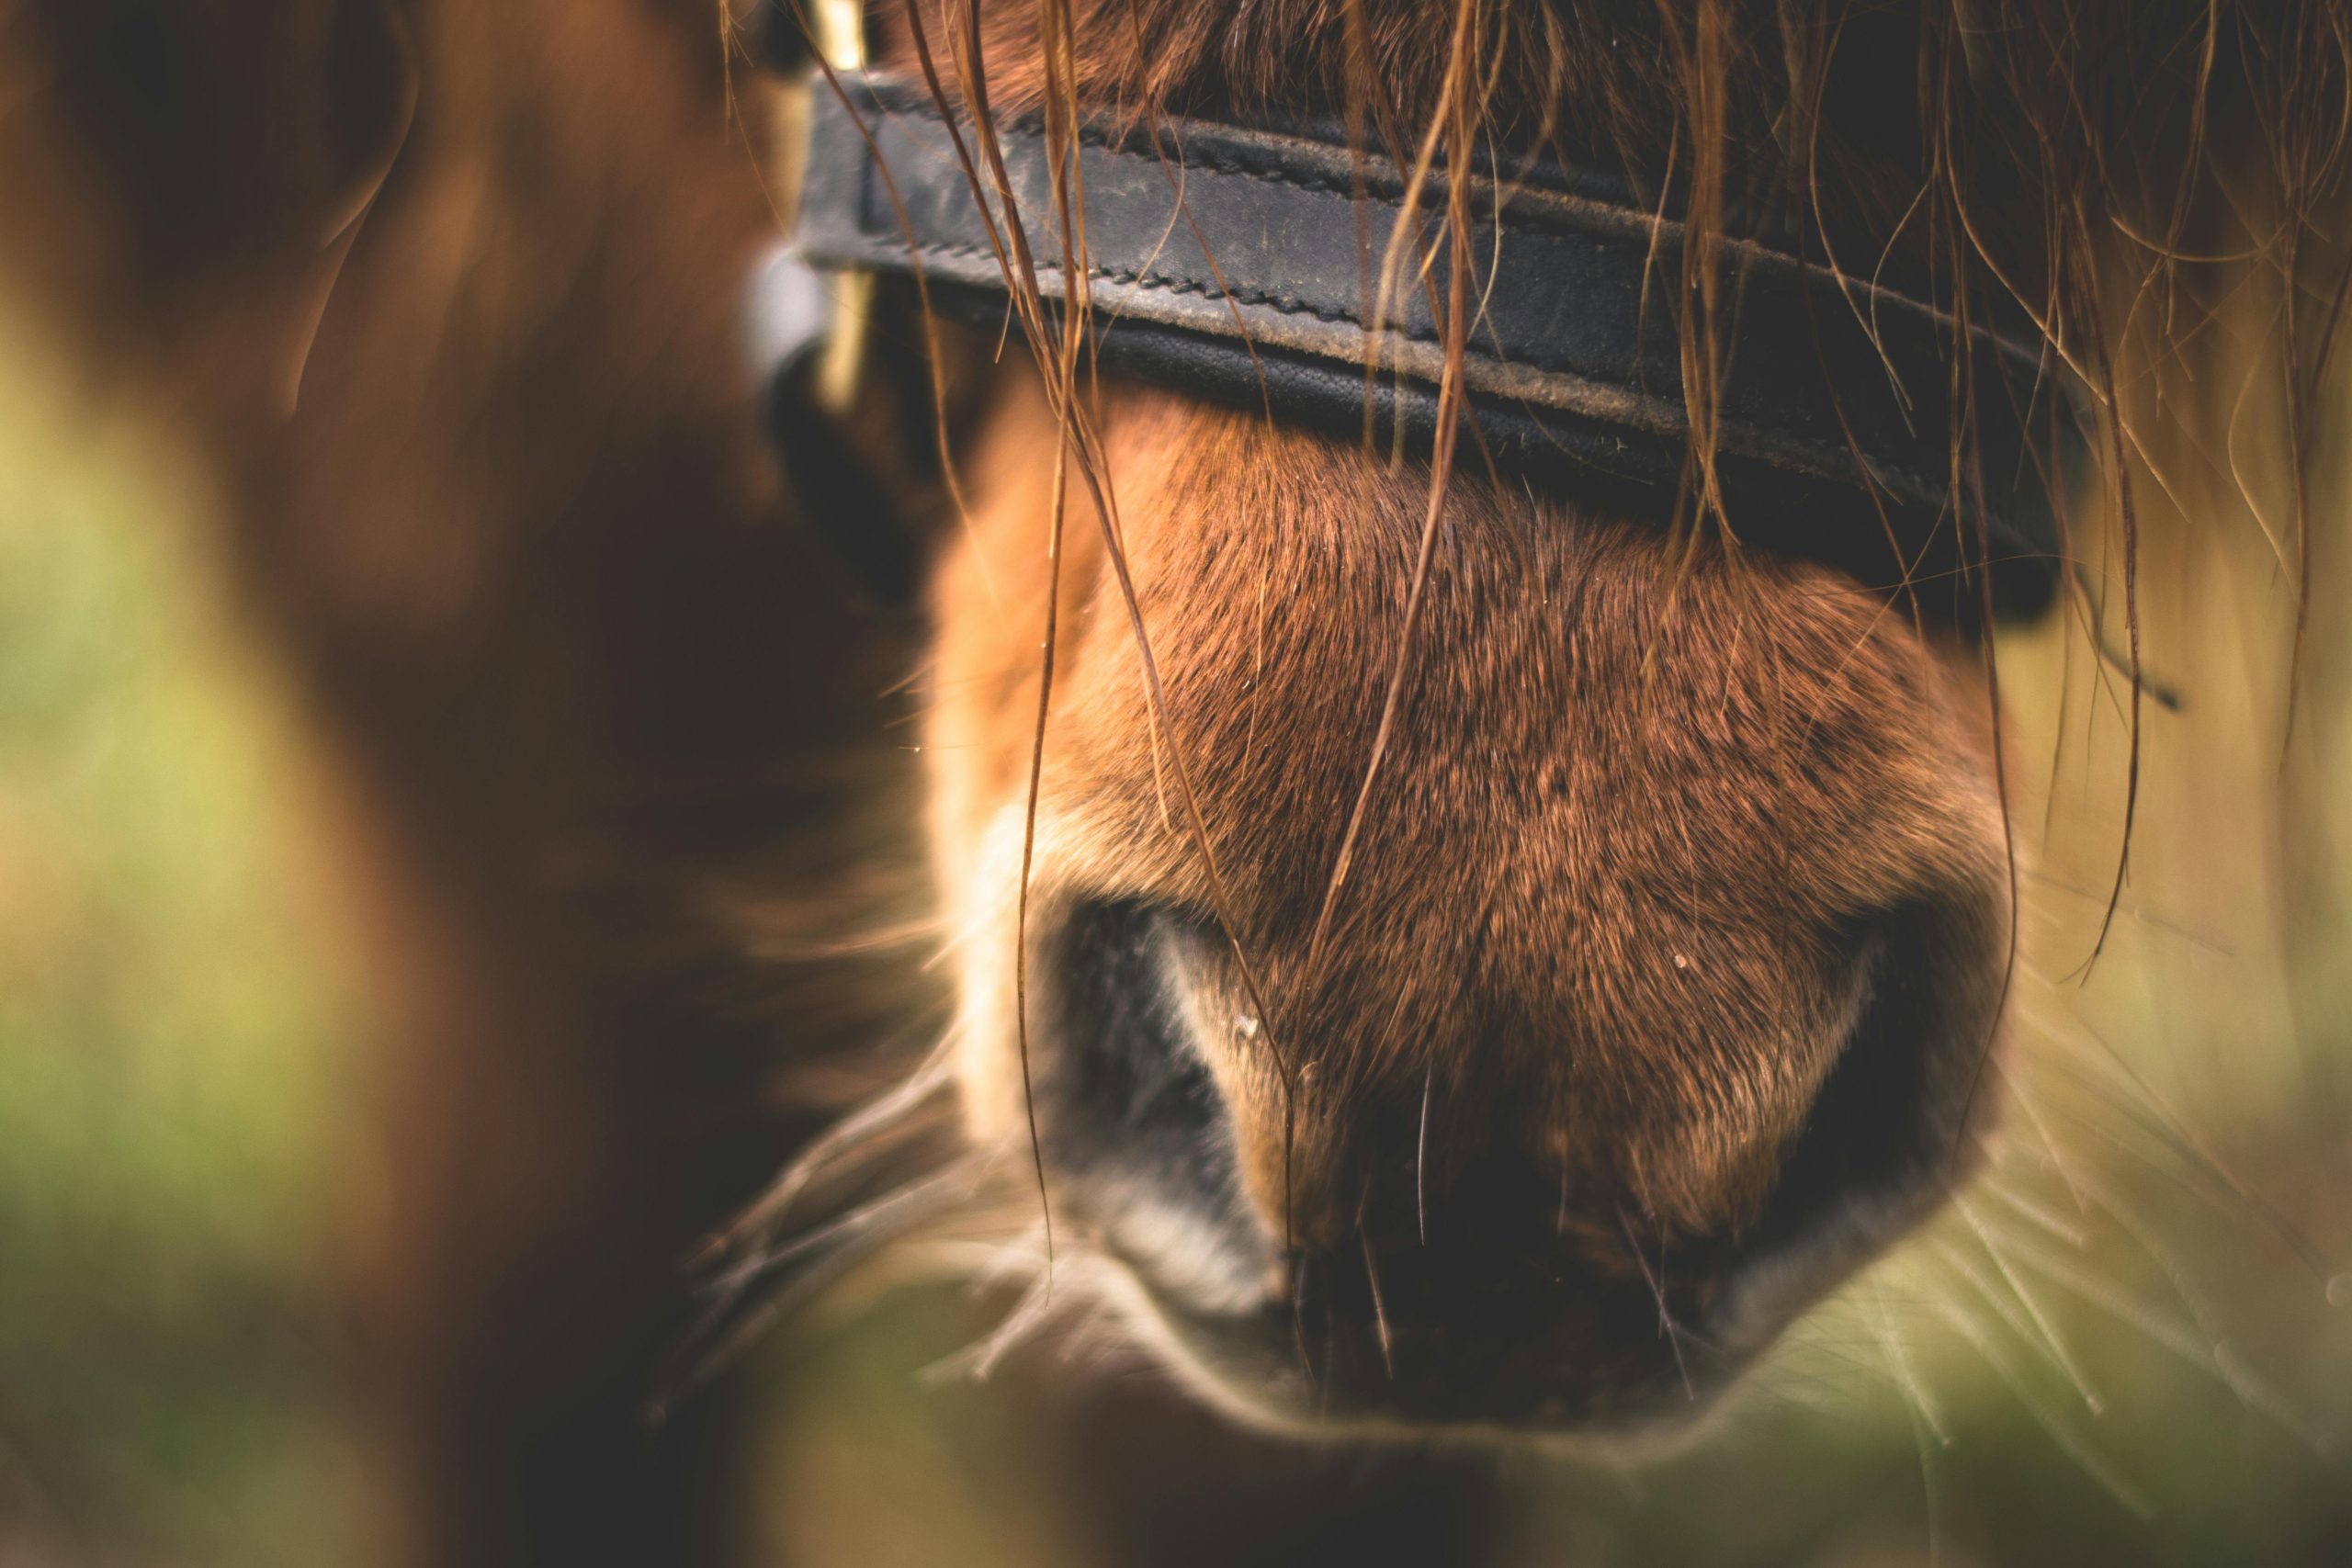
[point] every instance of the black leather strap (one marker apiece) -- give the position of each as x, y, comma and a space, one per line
1835, 436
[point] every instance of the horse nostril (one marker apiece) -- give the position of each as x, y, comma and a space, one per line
1125, 1077
1129, 1114
1889, 1119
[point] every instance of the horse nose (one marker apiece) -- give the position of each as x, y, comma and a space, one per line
1460, 1256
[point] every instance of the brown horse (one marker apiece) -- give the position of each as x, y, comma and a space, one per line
1437, 949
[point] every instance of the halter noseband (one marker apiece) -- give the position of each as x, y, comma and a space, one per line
1242, 265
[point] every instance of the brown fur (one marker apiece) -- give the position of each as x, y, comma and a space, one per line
1593, 781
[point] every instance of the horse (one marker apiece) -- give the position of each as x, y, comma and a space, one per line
1464, 951
1452, 920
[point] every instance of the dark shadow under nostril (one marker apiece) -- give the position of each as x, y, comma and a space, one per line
1123, 1090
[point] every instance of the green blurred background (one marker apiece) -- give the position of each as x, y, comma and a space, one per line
2132, 1343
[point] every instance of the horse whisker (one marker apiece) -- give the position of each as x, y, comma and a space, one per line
846, 1137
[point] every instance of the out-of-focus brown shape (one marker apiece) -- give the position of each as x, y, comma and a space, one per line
517, 537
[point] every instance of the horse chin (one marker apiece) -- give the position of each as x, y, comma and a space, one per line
1256, 1373
1254, 1368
